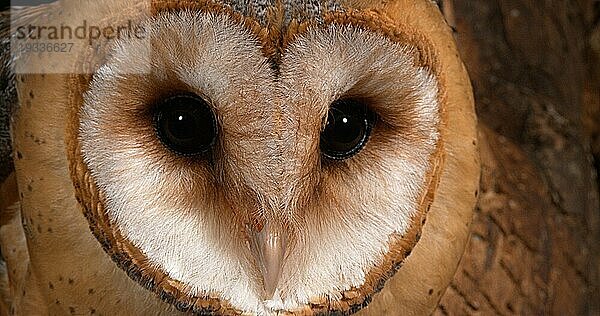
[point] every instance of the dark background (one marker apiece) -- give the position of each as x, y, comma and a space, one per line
535, 69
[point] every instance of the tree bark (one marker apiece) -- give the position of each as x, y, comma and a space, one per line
534, 245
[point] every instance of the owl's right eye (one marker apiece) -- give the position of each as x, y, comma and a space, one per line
349, 124
186, 124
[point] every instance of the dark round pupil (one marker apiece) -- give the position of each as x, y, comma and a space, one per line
186, 124
347, 129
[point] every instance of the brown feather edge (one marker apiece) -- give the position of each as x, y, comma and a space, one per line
135, 264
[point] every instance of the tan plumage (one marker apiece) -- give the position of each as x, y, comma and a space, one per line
383, 228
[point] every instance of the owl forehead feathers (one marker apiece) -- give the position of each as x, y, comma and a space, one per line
292, 9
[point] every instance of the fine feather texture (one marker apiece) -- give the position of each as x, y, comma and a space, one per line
171, 210
189, 217
359, 203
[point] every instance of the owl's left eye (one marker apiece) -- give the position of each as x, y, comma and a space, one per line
186, 124
349, 124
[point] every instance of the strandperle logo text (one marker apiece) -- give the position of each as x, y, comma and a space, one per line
84, 31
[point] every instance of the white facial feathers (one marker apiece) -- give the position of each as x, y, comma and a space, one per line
340, 217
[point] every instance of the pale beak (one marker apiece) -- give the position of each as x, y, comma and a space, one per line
268, 247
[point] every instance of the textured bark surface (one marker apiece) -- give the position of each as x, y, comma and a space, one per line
534, 246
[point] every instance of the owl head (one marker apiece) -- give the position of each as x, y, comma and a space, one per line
244, 157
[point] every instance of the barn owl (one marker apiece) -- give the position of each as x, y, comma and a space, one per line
236, 157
